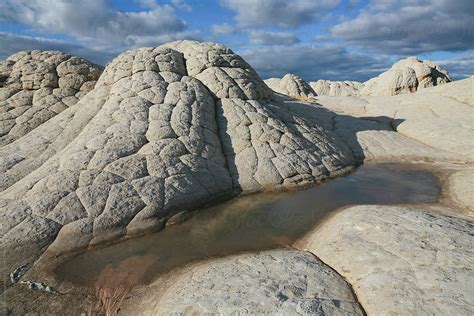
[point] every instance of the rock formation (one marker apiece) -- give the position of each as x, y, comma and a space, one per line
402, 260
407, 75
283, 282
37, 85
336, 88
440, 117
291, 85
165, 130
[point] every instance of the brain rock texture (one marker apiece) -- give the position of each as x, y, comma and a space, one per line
165, 130
291, 85
37, 85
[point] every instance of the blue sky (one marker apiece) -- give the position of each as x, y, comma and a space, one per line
316, 39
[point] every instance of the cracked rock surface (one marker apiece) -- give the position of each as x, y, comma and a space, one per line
400, 260
291, 85
283, 282
37, 85
165, 130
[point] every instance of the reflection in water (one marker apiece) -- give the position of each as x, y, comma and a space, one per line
252, 222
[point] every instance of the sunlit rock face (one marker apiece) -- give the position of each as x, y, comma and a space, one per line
291, 85
165, 130
407, 75
336, 88
37, 85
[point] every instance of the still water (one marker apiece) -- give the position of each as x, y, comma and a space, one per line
254, 222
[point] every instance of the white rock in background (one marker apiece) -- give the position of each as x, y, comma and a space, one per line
336, 88
406, 76
291, 85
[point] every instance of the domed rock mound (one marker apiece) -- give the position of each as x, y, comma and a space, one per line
37, 85
406, 76
336, 88
167, 129
291, 85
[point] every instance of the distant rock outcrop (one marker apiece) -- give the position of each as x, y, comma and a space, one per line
336, 88
165, 130
406, 76
291, 85
37, 85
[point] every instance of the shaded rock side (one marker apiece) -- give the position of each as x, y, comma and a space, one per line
336, 88
291, 85
282, 282
173, 128
37, 85
400, 260
406, 76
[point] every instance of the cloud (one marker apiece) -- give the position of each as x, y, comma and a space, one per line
272, 38
313, 62
459, 67
182, 5
224, 29
96, 22
410, 26
280, 13
12, 43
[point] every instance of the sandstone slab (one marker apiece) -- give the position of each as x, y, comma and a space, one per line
400, 260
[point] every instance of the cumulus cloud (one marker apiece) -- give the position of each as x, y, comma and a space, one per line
313, 62
224, 29
272, 38
12, 43
410, 26
96, 22
281, 13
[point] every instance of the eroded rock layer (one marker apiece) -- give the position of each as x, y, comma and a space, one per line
37, 85
291, 85
405, 76
283, 282
166, 129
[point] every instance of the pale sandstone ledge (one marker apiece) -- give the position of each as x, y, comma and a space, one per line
275, 282
291, 85
440, 117
400, 260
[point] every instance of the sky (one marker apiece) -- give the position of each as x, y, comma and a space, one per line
315, 39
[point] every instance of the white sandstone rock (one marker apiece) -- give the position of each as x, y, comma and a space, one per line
336, 88
400, 260
291, 85
406, 76
37, 85
282, 282
165, 130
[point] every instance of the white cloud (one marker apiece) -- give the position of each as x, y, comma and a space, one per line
410, 26
96, 22
12, 43
224, 29
182, 5
313, 62
281, 13
272, 38
459, 67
